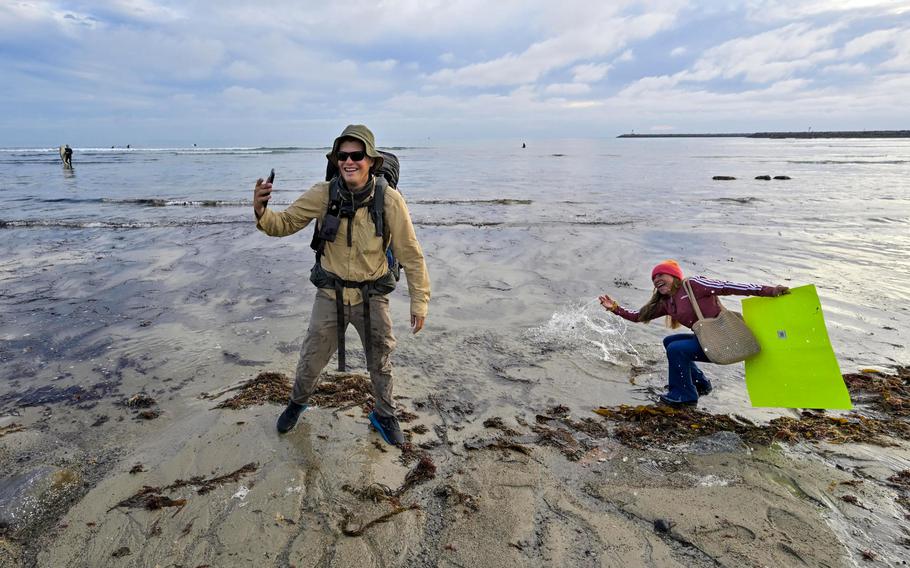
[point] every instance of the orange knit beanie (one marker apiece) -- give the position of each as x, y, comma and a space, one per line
670, 267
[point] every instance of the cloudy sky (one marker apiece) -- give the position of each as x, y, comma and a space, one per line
230, 72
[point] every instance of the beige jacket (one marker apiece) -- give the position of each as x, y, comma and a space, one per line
366, 259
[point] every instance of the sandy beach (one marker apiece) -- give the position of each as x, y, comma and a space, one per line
126, 460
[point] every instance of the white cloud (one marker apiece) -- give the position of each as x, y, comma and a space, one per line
140, 10
768, 56
590, 72
242, 71
678, 52
567, 89
583, 104
626, 56
789, 10
592, 39
869, 42
384, 65
846, 69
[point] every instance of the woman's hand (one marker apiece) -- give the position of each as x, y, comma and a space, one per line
608, 303
780, 291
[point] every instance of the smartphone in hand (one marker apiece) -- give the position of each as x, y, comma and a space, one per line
270, 179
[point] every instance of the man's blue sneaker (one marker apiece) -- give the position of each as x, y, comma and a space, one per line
288, 418
670, 401
704, 388
388, 428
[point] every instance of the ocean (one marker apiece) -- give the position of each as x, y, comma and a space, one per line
520, 240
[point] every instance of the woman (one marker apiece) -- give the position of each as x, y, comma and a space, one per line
687, 382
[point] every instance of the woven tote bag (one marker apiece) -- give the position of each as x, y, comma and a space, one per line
725, 339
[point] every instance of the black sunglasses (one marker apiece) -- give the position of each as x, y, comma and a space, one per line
355, 156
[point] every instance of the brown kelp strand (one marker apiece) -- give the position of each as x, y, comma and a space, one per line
346, 522
10, 429
153, 498
497, 423
149, 498
205, 485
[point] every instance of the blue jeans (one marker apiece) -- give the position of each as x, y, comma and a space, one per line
683, 350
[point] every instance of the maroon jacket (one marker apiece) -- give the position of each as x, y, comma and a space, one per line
679, 306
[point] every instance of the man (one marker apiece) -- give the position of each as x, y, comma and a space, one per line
349, 267
66, 154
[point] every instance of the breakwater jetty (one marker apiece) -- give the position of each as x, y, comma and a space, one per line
807, 134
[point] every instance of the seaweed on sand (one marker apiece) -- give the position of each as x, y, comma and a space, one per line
206, 485
887, 393
346, 522
140, 400
499, 443
455, 497
377, 492
497, 423
149, 498
11, 428
343, 391
561, 439
335, 390
423, 471
153, 498
646, 426
265, 387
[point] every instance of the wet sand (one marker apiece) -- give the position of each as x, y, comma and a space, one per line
97, 317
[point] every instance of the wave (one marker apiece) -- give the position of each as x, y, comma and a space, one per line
78, 224
873, 162
740, 200
170, 223
161, 202
889, 220
458, 223
171, 202
472, 202
157, 201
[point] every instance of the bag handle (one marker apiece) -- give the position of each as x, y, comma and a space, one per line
692, 299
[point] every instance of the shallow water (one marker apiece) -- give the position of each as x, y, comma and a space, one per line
152, 253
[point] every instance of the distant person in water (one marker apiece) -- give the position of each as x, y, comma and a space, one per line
687, 381
66, 154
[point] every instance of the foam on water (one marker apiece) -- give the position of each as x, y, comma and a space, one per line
586, 326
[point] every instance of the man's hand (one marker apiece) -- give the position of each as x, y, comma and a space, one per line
780, 291
261, 195
417, 323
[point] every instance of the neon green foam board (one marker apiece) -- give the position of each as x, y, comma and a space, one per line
796, 367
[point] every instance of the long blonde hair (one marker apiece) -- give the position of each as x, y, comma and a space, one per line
649, 310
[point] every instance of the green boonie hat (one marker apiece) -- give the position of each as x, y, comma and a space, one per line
365, 135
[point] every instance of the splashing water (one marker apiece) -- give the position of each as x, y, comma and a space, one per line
587, 324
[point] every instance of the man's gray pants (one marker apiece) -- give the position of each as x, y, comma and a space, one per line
322, 341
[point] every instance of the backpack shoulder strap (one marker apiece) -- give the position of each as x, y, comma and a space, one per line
377, 208
332, 208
